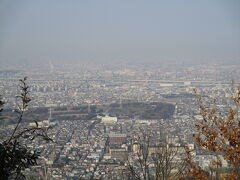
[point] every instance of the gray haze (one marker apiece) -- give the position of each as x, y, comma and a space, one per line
120, 31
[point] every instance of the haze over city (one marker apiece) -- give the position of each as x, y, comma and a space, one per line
119, 31
119, 90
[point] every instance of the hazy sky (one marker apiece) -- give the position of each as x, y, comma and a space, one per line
119, 30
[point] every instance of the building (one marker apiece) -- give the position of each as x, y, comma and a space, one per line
117, 139
108, 120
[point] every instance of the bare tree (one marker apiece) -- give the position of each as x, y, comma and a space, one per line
153, 160
168, 162
138, 164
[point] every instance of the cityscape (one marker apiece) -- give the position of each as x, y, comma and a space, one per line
97, 115
119, 90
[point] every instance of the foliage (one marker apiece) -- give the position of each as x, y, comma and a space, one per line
14, 156
193, 170
1, 104
219, 135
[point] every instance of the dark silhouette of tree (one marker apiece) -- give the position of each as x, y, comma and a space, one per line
14, 156
1, 104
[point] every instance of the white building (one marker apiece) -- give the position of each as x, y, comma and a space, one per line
108, 119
